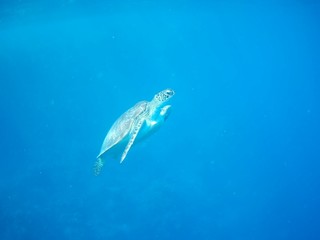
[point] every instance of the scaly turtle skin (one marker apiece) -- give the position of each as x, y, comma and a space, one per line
138, 122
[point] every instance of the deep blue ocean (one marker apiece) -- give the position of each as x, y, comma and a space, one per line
237, 159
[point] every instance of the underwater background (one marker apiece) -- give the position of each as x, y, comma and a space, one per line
238, 158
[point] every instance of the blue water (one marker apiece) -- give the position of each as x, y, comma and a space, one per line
238, 157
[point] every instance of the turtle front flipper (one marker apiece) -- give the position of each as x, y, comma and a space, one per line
134, 134
98, 166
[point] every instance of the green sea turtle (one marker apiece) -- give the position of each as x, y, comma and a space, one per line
138, 122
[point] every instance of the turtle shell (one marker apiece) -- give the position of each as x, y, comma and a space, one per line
121, 128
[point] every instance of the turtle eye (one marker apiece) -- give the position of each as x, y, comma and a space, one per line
169, 92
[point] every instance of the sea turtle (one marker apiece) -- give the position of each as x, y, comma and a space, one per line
135, 124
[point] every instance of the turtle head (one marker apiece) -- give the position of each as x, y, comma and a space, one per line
164, 95
158, 110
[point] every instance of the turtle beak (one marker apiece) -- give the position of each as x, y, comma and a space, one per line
168, 93
165, 111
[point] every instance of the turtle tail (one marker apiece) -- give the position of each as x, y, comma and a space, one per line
98, 166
